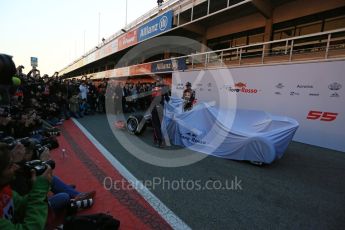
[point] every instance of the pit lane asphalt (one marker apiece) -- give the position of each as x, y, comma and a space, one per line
303, 190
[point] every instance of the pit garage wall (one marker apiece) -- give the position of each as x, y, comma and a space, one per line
311, 93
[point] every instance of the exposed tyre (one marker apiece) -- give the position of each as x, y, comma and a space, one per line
133, 125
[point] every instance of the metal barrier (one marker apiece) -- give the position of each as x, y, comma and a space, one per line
319, 46
324, 45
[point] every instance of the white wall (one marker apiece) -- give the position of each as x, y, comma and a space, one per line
291, 90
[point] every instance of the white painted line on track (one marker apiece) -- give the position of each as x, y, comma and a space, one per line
169, 216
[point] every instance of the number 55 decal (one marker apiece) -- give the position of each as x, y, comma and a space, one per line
323, 116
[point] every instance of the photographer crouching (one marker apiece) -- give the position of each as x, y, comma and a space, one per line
30, 157
22, 212
29, 154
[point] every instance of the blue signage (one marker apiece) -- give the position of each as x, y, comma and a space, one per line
169, 65
34, 61
156, 26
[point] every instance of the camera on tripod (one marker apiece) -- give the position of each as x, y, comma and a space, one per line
39, 166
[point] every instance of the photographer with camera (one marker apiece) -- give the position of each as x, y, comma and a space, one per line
16, 211
29, 154
22, 212
65, 199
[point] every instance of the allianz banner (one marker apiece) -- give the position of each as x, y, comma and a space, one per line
156, 26
311, 93
169, 65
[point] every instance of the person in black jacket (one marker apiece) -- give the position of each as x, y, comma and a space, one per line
160, 94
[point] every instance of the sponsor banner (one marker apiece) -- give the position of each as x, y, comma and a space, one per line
80, 63
311, 93
97, 54
109, 73
169, 65
97, 75
103, 74
102, 52
156, 26
90, 58
127, 40
140, 69
122, 72
240, 87
107, 49
114, 46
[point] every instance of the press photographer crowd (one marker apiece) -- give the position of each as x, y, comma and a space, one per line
31, 109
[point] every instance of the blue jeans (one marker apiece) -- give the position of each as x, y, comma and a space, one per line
59, 202
58, 186
62, 195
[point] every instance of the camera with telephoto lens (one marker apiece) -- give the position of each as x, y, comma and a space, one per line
12, 142
39, 166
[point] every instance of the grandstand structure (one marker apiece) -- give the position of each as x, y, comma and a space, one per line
290, 53
237, 33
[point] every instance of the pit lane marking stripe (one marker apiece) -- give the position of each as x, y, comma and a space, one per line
169, 216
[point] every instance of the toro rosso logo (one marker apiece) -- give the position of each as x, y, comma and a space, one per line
193, 138
241, 87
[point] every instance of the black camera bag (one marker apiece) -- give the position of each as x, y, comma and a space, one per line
99, 221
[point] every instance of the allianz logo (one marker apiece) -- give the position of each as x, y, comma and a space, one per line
163, 23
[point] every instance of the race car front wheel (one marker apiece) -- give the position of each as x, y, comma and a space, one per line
134, 126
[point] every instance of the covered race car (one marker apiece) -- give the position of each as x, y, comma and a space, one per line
239, 134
